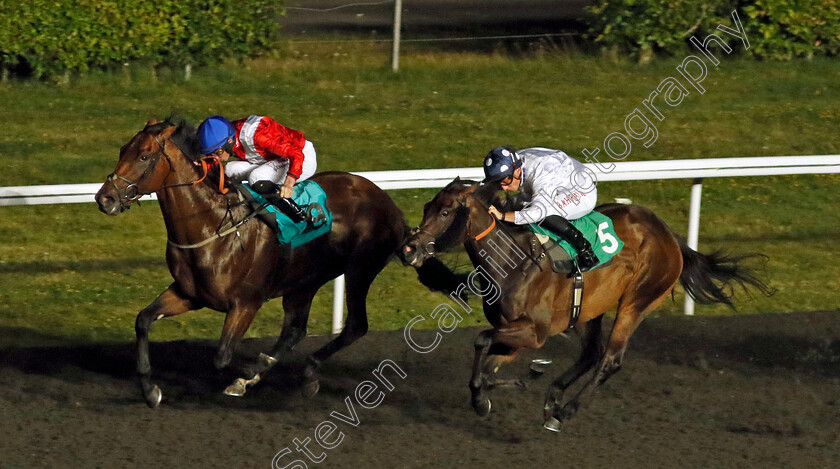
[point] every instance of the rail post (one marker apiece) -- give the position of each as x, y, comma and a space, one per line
338, 305
395, 54
693, 231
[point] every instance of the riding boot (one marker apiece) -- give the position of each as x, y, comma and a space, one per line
586, 258
289, 208
269, 190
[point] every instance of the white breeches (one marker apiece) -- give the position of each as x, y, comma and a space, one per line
274, 170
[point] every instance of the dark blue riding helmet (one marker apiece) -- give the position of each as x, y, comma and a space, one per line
500, 163
213, 133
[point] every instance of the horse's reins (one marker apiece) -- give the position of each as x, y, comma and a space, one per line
205, 164
216, 236
487, 231
430, 247
493, 225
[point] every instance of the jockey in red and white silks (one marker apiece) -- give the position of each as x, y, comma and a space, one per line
270, 152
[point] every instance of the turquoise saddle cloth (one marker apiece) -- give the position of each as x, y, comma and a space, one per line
298, 234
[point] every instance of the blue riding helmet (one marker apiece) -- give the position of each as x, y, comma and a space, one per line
500, 163
213, 133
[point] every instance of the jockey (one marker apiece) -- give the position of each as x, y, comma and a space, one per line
559, 188
274, 156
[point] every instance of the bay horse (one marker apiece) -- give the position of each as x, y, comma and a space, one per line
533, 302
236, 274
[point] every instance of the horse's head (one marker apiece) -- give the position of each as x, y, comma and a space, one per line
445, 222
144, 165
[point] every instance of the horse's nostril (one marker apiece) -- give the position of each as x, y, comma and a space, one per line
408, 249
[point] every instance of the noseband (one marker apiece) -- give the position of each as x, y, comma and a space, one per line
430, 248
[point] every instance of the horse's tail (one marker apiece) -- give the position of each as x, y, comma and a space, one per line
709, 278
434, 274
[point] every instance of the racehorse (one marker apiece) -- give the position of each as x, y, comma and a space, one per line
533, 302
236, 274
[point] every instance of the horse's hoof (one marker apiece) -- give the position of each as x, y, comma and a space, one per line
537, 368
553, 425
311, 388
154, 397
482, 407
237, 389
267, 360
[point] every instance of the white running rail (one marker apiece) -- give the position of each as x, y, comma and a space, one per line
695, 169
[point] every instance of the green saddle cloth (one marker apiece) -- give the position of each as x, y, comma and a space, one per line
298, 234
597, 228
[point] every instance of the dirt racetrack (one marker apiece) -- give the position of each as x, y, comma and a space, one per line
740, 392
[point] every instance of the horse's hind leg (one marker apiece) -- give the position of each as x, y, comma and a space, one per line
296, 308
591, 350
631, 311
237, 321
169, 303
356, 325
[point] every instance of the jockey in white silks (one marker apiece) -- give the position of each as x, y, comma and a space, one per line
559, 188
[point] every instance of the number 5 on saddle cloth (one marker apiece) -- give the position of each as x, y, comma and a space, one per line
595, 227
310, 197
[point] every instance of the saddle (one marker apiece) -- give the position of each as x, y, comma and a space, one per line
311, 198
559, 258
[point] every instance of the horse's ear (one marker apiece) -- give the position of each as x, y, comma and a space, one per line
151, 122
457, 179
167, 132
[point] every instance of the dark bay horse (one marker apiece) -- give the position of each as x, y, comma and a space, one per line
534, 303
237, 273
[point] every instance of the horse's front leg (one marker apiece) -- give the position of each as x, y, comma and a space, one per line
169, 303
480, 401
494, 348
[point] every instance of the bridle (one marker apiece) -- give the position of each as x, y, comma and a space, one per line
131, 193
430, 248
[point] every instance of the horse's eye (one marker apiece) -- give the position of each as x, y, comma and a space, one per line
144, 157
444, 213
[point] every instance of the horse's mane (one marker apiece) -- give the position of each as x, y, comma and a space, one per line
487, 194
184, 137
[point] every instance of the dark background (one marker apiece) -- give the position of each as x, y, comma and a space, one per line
424, 18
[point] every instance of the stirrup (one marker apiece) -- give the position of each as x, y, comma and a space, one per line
319, 216
583, 266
